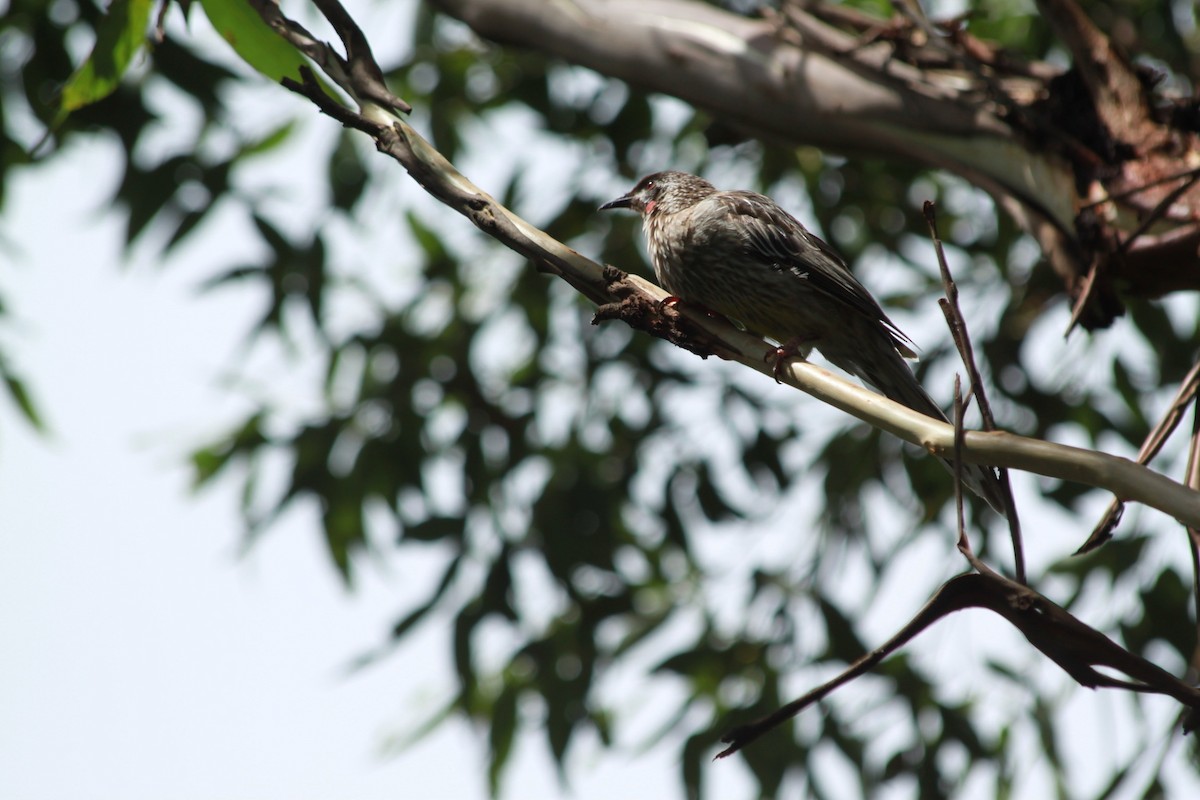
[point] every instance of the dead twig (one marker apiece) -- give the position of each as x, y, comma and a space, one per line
1192, 479
964, 543
1152, 444
962, 340
1136, 190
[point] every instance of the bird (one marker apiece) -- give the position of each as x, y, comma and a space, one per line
741, 255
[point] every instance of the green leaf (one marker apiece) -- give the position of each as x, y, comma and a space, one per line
120, 35
249, 36
347, 174
20, 395
414, 617
435, 529
503, 732
267, 143
427, 238
246, 441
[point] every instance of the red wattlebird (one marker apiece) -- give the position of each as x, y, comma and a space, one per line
739, 254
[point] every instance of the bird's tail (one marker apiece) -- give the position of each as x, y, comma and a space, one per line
878, 364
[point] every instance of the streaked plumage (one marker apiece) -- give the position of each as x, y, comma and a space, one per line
739, 254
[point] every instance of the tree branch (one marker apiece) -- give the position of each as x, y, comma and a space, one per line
440, 178
1061, 637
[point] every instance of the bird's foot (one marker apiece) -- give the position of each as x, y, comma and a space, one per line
792, 348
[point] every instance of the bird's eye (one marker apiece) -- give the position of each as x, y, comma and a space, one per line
649, 184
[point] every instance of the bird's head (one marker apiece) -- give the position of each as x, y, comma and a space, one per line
663, 193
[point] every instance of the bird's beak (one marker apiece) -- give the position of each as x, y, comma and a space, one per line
625, 201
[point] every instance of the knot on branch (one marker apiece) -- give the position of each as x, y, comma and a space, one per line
660, 318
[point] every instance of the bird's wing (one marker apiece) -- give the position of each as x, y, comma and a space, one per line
779, 240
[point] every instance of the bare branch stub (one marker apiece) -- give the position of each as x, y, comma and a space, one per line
358, 72
659, 319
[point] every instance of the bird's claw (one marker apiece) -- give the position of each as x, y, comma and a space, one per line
792, 348
780, 355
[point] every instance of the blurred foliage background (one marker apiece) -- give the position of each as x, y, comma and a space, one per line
609, 512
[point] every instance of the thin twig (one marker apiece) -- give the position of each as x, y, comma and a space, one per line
1192, 479
1153, 443
1187, 173
962, 340
366, 77
959, 435
964, 543
1157, 212
1084, 299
